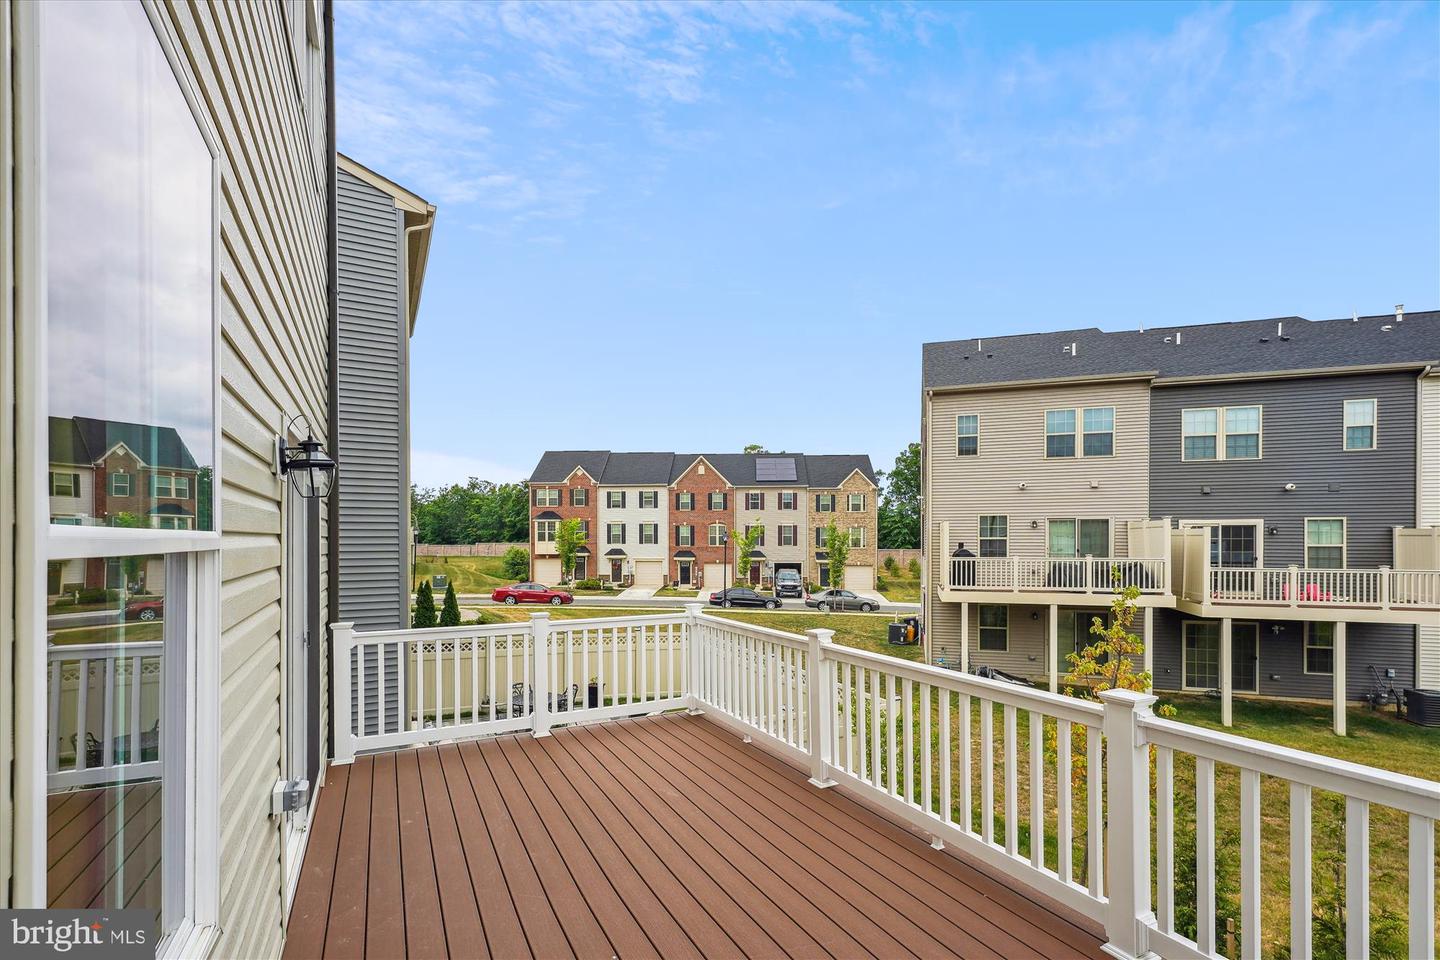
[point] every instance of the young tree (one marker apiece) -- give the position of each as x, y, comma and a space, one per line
899, 510
837, 546
130, 565
516, 563
568, 539
450, 612
754, 448
744, 547
424, 606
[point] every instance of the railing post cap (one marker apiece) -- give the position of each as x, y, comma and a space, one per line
1131, 699
343, 625
822, 634
540, 615
694, 607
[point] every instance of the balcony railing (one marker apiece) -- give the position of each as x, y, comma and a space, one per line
900, 735
1380, 588
1080, 575
104, 702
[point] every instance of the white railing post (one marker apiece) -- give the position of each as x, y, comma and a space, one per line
1384, 588
342, 640
693, 658
947, 565
820, 706
1292, 580
1127, 768
1085, 584
540, 653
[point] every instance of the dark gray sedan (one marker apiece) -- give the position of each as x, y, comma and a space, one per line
840, 600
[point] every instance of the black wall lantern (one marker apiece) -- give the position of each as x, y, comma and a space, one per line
310, 468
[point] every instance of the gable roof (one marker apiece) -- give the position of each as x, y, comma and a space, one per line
624, 469
661, 468
831, 470
555, 466
1275, 345
86, 440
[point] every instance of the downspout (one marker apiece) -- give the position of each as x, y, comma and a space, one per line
332, 503
407, 326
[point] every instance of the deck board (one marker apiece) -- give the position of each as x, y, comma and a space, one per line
103, 846
665, 836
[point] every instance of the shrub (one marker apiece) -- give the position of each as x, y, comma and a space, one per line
97, 595
424, 606
914, 568
516, 563
891, 567
591, 584
450, 612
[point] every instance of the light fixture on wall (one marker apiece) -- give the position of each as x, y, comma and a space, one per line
310, 469
1034, 524
1272, 530
1094, 484
1290, 488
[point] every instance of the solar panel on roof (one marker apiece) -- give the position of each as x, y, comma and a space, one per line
778, 469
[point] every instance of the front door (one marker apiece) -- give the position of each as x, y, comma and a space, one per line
616, 571
581, 569
824, 574
1245, 657
755, 574
297, 658
684, 573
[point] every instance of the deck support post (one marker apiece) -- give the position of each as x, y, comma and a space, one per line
1337, 679
1147, 637
342, 639
692, 658
540, 654
1054, 657
1127, 768
964, 637
819, 706
1227, 661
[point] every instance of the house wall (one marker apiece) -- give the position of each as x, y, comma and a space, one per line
77, 505
700, 479
9, 454
771, 517
1427, 641
578, 478
274, 348
866, 519
632, 515
372, 399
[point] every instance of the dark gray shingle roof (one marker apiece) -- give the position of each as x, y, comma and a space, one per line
555, 466
1211, 349
85, 440
639, 469
831, 470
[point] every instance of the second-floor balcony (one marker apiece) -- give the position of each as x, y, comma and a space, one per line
1068, 575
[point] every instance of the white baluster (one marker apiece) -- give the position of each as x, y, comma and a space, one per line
1012, 801
1301, 938
1205, 855
1422, 888
341, 641
540, 640
1357, 879
1165, 839
1037, 790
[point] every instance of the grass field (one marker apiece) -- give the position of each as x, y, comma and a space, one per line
468, 574
136, 632
900, 589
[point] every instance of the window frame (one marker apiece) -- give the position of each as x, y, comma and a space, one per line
1344, 543
850, 502
759, 497
614, 499
829, 500
545, 500
111, 484
1078, 433
1221, 435
850, 532
74, 478
791, 495
980, 627
794, 531
654, 498
1077, 520
579, 496
711, 538
756, 526
710, 500
1374, 424
980, 537
611, 530
1185, 657
654, 530
685, 534
1216, 524
686, 501
959, 436
1307, 646
551, 525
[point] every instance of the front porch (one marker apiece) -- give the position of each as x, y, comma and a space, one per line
665, 836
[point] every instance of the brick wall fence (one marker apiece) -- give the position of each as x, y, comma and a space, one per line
902, 557
468, 549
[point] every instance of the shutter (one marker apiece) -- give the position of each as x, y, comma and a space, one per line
724, 501
817, 503
622, 500
534, 496
762, 500
622, 526
677, 499
677, 535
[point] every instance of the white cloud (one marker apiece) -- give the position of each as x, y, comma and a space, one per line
429, 468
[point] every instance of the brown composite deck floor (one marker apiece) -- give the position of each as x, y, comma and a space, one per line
661, 837
103, 847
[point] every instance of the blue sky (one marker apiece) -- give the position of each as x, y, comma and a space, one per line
697, 226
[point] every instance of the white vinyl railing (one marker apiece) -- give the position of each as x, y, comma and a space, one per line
1059, 574
104, 702
1380, 588
1054, 791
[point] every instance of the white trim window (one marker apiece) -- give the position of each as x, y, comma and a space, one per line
717, 534
63, 483
1320, 647
545, 531
684, 501
717, 500
754, 500
855, 503
1325, 542
857, 537
789, 534
649, 533
994, 535
547, 496
1361, 420
614, 533
994, 633
579, 496
1221, 433
760, 542
615, 499
119, 484
685, 535
1078, 537
171, 523
649, 499
788, 500
824, 503
1200, 654
1079, 432
967, 435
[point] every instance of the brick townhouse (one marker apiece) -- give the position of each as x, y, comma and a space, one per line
572, 493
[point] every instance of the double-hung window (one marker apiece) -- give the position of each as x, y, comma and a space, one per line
855, 503
994, 627
967, 435
994, 534
760, 540
1097, 429
1220, 433
579, 496
614, 499
547, 496
717, 500
857, 536
1082, 432
119, 484
64, 484
717, 534
754, 501
545, 531
649, 533
685, 535
1360, 418
614, 533
1320, 647
820, 536
649, 499
788, 534
824, 503
164, 486
1325, 542
1059, 433
787, 500
684, 501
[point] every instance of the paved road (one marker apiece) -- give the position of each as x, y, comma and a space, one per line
793, 606
88, 618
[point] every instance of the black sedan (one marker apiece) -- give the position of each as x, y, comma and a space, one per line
840, 600
742, 597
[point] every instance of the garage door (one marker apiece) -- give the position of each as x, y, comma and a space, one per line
546, 570
861, 579
714, 576
649, 573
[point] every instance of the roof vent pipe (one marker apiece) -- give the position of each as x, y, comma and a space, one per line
1070, 349
1177, 338
978, 347
1279, 328
1399, 312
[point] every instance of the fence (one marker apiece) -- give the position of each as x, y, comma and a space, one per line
112, 690
1053, 791
467, 549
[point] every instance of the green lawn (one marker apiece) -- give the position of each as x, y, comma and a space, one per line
135, 632
468, 574
900, 589
676, 592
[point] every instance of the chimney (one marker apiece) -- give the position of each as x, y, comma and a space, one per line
1399, 312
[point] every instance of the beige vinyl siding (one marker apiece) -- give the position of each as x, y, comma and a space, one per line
1427, 639
772, 517
274, 351
9, 455
1028, 639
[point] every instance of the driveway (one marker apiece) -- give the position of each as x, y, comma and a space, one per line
636, 593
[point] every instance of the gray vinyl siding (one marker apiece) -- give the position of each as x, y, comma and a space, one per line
1301, 444
372, 405
274, 347
1380, 646
1427, 645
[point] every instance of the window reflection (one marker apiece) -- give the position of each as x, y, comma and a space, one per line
129, 221
106, 675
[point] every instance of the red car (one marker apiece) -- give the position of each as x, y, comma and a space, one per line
531, 593
152, 608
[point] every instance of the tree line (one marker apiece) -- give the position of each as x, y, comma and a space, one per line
475, 512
